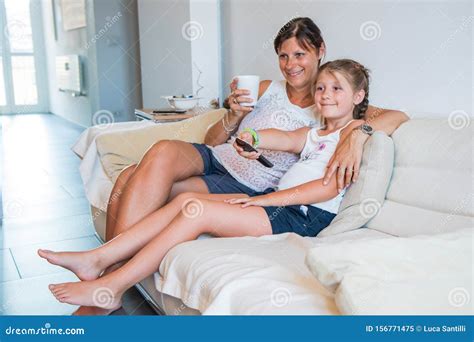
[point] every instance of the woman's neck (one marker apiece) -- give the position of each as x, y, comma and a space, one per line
299, 97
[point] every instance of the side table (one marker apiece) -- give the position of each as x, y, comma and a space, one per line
147, 114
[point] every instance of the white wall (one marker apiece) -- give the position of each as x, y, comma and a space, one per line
111, 75
205, 49
76, 109
421, 58
117, 58
165, 54
177, 39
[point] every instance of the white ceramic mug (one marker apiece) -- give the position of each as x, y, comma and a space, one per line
250, 83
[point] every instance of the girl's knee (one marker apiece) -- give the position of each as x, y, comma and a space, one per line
186, 197
197, 209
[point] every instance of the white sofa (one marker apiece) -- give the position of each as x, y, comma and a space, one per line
415, 195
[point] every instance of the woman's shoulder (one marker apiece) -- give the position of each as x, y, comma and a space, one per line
263, 87
269, 87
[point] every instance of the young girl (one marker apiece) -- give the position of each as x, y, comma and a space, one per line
301, 205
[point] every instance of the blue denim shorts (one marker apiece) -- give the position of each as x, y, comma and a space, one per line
300, 219
304, 220
216, 176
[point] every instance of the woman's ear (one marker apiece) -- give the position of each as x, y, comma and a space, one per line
359, 97
322, 52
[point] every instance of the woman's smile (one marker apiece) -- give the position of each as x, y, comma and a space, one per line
298, 65
295, 73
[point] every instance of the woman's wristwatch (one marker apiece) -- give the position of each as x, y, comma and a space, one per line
366, 128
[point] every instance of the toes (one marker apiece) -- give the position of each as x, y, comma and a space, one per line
52, 287
61, 296
44, 253
60, 292
56, 287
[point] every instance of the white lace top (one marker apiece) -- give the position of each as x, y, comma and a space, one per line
273, 110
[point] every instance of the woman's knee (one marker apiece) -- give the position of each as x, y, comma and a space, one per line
125, 175
162, 150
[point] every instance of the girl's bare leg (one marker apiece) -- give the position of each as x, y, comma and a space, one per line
192, 184
217, 218
89, 265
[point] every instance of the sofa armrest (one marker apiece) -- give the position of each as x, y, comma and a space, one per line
118, 150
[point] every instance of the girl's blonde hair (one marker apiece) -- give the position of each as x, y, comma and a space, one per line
358, 77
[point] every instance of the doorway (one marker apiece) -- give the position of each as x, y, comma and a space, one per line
23, 83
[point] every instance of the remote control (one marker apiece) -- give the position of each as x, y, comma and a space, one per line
249, 148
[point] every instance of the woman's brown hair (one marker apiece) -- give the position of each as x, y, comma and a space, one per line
306, 32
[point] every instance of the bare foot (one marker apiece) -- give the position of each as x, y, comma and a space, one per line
92, 311
83, 264
88, 293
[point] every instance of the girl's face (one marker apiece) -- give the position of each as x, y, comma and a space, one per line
334, 96
298, 66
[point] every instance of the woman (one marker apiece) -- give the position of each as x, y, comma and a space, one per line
173, 167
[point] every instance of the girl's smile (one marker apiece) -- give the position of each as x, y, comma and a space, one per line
334, 96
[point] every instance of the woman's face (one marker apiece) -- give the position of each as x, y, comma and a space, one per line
298, 66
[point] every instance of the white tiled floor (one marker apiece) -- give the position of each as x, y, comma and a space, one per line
8, 270
60, 208
43, 206
31, 296
21, 232
30, 265
75, 190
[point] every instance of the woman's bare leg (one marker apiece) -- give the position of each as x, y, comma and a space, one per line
165, 163
216, 217
114, 199
193, 184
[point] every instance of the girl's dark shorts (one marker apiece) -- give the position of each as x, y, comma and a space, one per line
304, 220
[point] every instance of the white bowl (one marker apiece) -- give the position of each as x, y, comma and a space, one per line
183, 103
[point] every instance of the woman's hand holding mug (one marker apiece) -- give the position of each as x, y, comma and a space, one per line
241, 100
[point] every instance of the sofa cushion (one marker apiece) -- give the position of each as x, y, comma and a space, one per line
244, 276
431, 188
248, 275
422, 275
363, 198
118, 150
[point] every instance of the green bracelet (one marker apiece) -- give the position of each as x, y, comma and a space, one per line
256, 139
